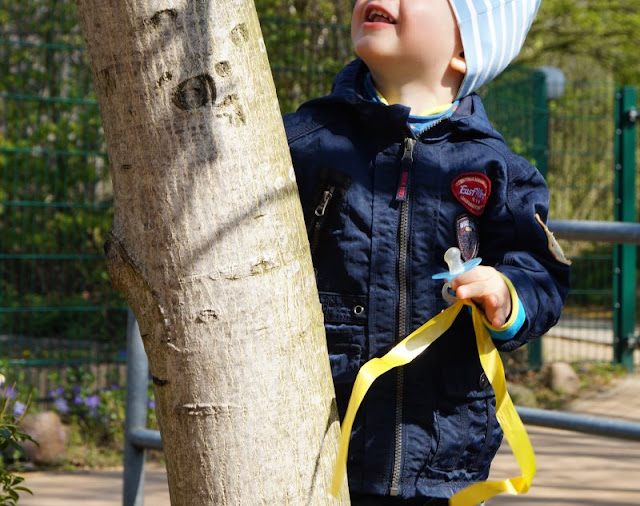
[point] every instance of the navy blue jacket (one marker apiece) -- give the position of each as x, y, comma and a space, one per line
428, 429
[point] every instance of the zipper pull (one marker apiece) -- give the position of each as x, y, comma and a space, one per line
405, 167
326, 197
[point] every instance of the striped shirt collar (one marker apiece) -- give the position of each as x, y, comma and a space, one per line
417, 123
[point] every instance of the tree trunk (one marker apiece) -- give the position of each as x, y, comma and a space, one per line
209, 247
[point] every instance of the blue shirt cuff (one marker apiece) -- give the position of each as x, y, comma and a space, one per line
507, 332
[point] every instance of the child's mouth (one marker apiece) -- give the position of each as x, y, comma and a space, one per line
378, 16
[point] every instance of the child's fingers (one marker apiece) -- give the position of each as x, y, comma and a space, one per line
487, 288
478, 273
477, 283
497, 316
475, 290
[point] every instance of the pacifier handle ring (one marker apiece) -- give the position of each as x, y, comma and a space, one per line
467, 266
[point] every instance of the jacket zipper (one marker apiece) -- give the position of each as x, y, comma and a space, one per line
318, 221
402, 195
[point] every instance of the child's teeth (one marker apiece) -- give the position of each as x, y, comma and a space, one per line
376, 13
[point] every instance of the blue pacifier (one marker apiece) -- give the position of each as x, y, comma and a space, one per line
453, 258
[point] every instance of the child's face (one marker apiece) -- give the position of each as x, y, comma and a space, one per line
400, 35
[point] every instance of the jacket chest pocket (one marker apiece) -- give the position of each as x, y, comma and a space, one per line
345, 320
321, 213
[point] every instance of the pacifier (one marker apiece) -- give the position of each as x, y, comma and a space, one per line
453, 258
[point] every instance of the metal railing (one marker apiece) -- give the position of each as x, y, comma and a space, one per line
596, 425
605, 231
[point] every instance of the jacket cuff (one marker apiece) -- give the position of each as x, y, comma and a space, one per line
515, 321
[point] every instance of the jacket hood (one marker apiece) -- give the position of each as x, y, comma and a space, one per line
348, 89
492, 35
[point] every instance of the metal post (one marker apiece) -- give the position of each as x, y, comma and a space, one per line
624, 256
540, 155
136, 415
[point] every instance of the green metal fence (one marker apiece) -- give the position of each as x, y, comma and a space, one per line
580, 173
57, 306
572, 140
583, 163
304, 58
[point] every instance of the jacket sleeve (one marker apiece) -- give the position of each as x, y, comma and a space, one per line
515, 239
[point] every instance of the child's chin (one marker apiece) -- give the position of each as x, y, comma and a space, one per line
371, 52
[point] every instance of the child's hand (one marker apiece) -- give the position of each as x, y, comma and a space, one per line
487, 289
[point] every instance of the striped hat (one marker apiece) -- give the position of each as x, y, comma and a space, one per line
492, 32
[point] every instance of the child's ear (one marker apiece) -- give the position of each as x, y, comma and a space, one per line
459, 63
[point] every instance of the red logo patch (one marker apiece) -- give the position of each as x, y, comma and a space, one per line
472, 191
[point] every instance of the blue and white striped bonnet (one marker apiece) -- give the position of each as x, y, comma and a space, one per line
492, 32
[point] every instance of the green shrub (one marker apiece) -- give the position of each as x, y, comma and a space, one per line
11, 449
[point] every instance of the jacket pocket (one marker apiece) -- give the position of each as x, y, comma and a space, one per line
345, 319
467, 432
321, 214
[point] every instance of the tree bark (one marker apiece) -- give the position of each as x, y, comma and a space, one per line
209, 247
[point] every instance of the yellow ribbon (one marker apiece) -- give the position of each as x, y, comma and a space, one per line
408, 349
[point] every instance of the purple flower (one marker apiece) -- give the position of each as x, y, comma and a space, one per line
10, 392
152, 404
115, 386
57, 392
61, 406
19, 408
75, 389
77, 400
93, 401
